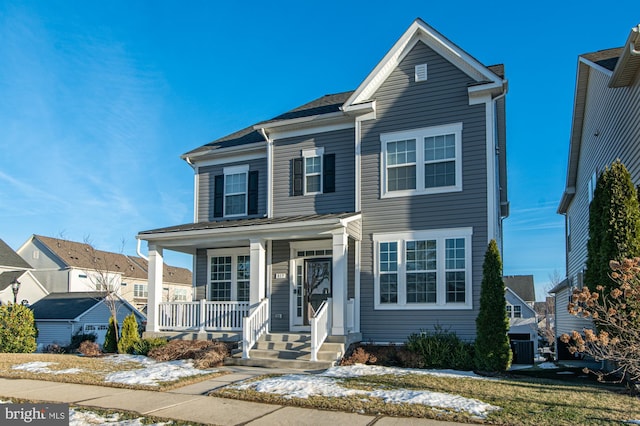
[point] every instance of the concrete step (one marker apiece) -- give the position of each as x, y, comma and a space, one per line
297, 346
296, 355
286, 337
279, 363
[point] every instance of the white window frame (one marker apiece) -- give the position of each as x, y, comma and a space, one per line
180, 294
233, 253
440, 235
307, 154
236, 170
144, 292
593, 180
419, 135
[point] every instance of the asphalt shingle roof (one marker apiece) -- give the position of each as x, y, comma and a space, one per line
7, 277
65, 306
522, 285
10, 258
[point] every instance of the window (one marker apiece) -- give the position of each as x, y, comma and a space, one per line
140, 290
423, 269
313, 173
422, 161
509, 311
230, 275
180, 294
236, 192
514, 311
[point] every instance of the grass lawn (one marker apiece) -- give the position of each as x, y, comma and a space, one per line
93, 371
523, 400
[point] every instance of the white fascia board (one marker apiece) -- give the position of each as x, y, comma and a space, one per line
223, 152
307, 125
565, 201
479, 93
419, 31
595, 66
243, 232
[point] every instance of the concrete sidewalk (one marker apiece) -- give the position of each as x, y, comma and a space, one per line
189, 403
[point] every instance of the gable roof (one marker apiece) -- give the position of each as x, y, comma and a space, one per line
70, 306
79, 255
621, 65
66, 306
10, 258
342, 104
420, 31
522, 285
8, 277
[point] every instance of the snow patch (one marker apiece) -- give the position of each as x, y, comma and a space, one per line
43, 367
359, 370
152, 372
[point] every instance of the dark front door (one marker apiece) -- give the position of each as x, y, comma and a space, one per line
317, 285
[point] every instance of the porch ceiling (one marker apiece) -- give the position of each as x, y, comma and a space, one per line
188, 238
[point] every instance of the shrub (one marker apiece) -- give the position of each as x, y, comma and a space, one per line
17, 329
359, 356
110, 344
492, 348
130, 335
143, 346
54, 348
77, 339
89, 348
205, 353
440, 349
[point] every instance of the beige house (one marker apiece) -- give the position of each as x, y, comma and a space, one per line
64, 266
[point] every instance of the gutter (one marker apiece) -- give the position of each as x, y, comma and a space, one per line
139, 251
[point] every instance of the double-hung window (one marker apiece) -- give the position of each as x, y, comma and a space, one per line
313, 173
140, 291
422, 161
423, 269
235, 192
229, 275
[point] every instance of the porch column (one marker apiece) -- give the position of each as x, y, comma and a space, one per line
340, 282
258, 271
154, 287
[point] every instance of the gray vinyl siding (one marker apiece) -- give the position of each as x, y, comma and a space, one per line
50, 332
351, 269
201, 275
527, 312
281, 287
565, 322
47, 268
338, 142
614, 115
206, 176
403, 105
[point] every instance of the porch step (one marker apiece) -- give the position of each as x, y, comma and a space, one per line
290, 350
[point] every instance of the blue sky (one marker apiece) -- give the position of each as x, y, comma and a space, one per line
99, 99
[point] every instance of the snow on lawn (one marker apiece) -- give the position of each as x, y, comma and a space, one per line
43, 367
151, 372
328, 384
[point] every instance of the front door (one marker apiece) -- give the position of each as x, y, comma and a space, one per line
312, 286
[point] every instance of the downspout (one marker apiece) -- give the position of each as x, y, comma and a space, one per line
632, 45
139, 251
196, 187
269, 171
505, 89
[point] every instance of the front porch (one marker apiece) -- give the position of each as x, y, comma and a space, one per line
262, 289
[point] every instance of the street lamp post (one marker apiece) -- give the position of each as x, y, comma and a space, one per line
15, 286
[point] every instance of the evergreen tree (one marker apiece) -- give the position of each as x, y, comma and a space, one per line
130, 335
614, 225
110, 345
17, 329
492, 349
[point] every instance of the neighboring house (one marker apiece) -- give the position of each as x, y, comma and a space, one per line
69, 266
59, 316
380, 201
605, 127
15, 270
523, 322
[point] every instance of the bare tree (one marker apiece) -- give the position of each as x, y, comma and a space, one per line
549, 331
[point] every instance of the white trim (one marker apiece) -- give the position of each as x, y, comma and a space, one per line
421, 73
229, 152
308, 154
440, 235
236, 170
227, 160
419, 135
313, 152
233, 252
231, 171
358, 161
196, 194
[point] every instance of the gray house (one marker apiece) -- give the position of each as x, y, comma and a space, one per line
59, 316
16, 273
605, 127
362, 215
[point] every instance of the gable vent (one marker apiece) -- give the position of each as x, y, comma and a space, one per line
421, 72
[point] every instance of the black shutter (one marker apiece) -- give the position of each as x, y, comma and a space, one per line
252, 202
218, 196
297, 177
329, 173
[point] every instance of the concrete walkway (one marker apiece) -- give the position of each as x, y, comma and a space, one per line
190, 403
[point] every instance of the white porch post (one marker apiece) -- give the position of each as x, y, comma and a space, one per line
340, 282
154, 287
258, 271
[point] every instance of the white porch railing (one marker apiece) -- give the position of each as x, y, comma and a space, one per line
254, 326
320, 325
202, 315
